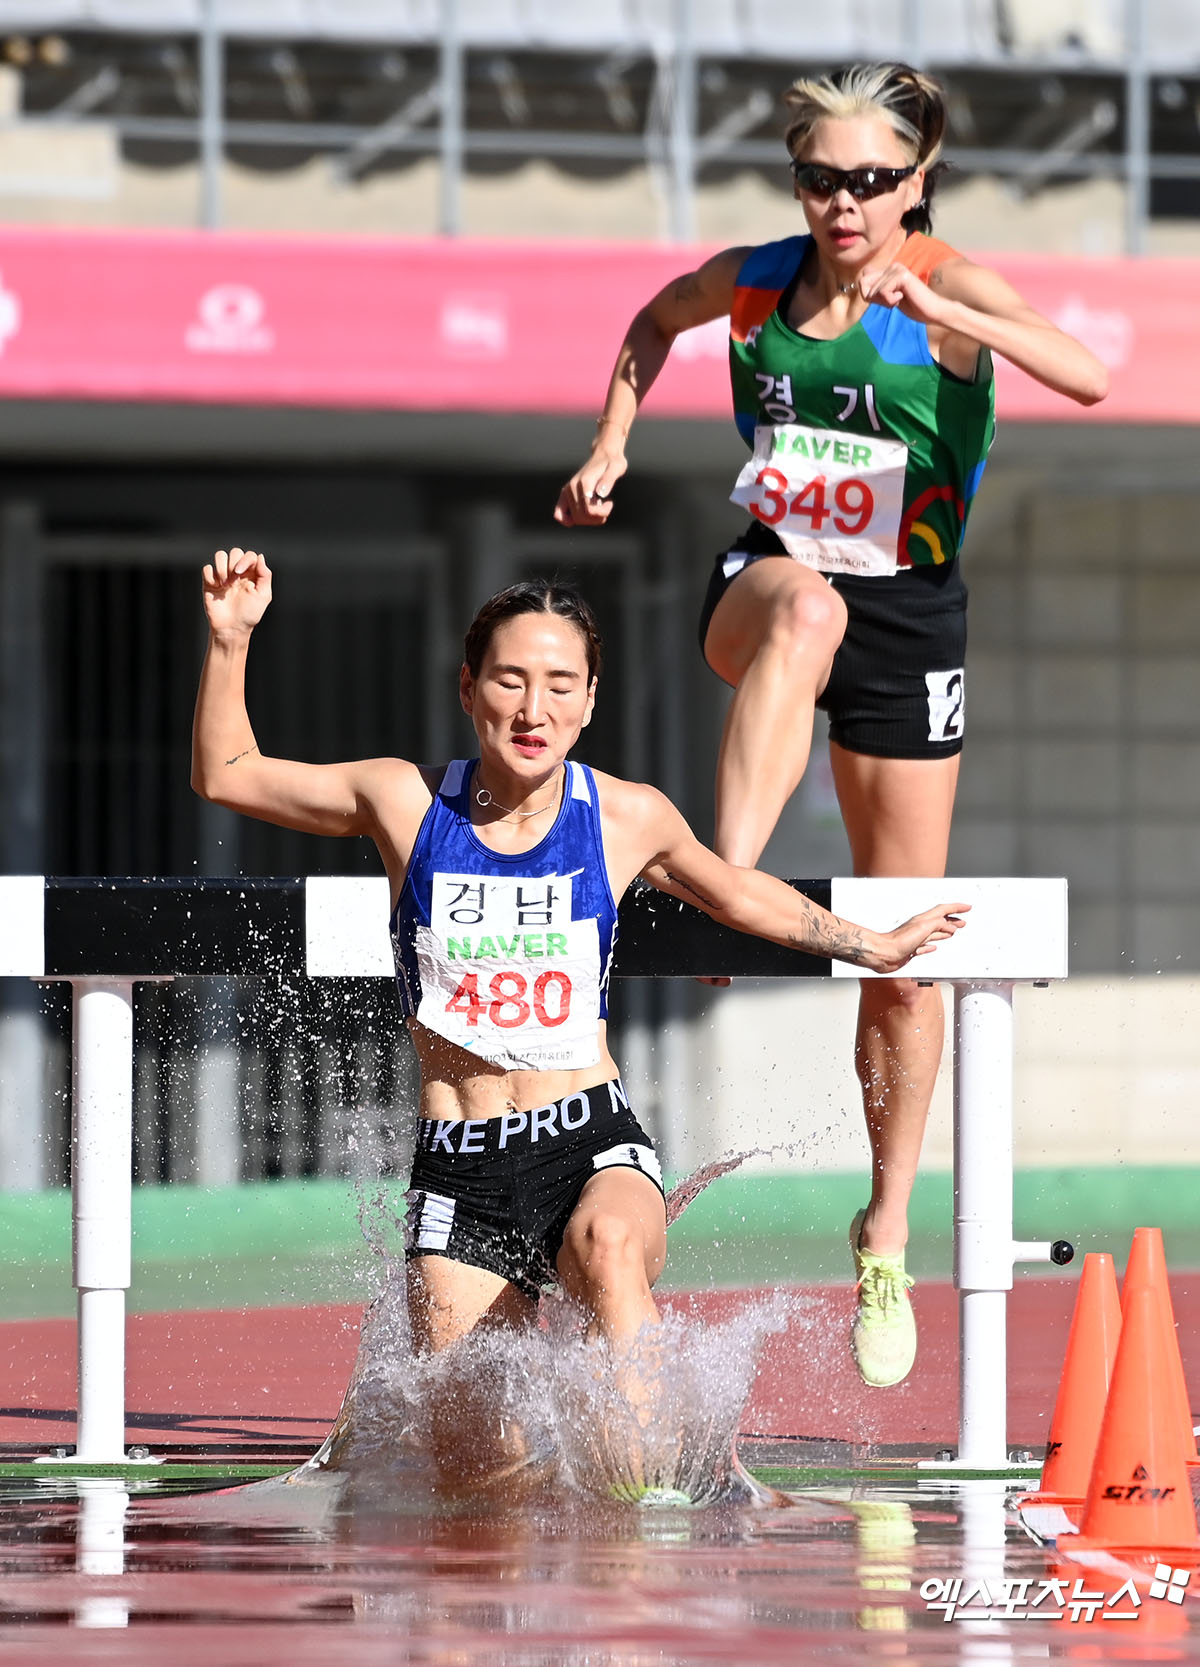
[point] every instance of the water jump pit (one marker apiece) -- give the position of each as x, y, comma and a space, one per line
235, 1546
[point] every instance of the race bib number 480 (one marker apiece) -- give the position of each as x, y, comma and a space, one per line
836, 500
507, 974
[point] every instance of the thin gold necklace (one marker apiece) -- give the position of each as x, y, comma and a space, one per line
484, 799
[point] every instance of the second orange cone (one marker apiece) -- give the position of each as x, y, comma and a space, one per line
1139, 1496
1147, 1270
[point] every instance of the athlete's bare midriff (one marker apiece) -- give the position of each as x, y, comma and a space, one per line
456, 1086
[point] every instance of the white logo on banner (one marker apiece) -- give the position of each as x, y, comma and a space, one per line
1108, 333
230, 321
475, 326
10, 315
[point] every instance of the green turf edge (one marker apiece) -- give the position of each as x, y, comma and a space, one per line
303, 1217
789, 1477
273, 1244
183, 1223
65, 1470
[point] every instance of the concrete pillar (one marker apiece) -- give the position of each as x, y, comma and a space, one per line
450, 76
212, 117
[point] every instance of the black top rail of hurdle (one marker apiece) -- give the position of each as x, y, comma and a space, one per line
189, 927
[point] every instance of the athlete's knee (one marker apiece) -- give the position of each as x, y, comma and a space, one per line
604, 1244
805, 617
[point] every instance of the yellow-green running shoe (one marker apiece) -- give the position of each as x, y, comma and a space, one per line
639, 1493
883, 1337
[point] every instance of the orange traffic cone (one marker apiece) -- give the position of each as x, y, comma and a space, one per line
1083, 1387
1139, 1496
1147, 1269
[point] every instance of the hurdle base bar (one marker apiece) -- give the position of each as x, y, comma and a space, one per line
1014, 1467
142, 929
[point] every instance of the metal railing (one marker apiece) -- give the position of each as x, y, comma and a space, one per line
434, 121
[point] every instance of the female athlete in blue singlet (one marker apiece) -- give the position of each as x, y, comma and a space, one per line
505, 875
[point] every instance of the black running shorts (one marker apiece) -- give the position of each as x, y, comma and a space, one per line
497, 1192
897, 686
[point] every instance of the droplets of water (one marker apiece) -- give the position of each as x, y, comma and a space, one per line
664, 1414
511, 1411
686, 1192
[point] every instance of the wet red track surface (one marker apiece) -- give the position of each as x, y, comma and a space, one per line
277, 1374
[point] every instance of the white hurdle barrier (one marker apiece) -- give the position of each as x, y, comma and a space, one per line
104, 936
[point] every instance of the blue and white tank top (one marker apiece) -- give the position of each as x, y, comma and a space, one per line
506, 956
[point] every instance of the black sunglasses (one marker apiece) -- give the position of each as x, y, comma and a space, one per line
862, 183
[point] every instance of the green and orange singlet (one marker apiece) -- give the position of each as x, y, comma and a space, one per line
866, 453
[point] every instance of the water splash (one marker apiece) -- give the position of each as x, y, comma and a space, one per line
666, 1415
686, 1192
546, 1409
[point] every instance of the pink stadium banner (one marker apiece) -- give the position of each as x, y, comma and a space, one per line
501, 327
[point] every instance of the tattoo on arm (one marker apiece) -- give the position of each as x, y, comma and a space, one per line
245, 754
687, 288
691, 890
827, 935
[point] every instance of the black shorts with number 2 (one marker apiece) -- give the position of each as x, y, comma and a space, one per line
897, 685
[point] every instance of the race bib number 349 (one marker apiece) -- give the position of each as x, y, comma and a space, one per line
507, 974
835, 499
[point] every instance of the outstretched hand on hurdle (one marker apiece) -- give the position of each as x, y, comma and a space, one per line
918, 936
758, 903
768, 908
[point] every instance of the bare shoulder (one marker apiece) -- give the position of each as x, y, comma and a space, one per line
630, 803
697, 297
396, 796
398, 779
638, 821
982, 287
943, 272
729, 262
397, 793
718, 275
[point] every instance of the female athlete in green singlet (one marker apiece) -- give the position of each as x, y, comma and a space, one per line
860, 359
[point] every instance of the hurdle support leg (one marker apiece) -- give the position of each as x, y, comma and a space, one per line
102, 1203
101, 1207
983, 1232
